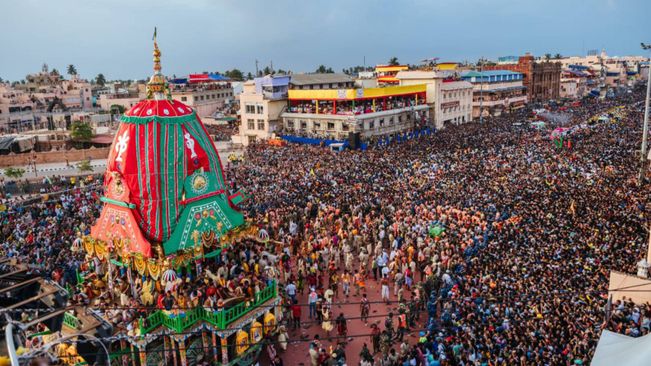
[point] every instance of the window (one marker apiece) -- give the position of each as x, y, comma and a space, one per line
317, 125
259, 109
381, 122
184, 99
371, 124
331, 125
250, 108
290, 123
303, 125
261, 124
250, 124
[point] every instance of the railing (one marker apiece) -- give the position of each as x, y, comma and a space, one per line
71, 321
218, 318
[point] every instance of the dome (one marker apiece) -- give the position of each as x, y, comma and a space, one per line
164, 179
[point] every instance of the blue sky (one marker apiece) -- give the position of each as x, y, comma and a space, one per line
114, 36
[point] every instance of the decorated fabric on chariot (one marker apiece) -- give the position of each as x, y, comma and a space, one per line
171, 172
205, 217
117, 225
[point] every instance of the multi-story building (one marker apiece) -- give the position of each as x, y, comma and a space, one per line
16, 110
612, 71
328, 106
449, 99
576, 82
206, 98
261, 103
48, 87
542, 79
124, 97
496, 92
30, 105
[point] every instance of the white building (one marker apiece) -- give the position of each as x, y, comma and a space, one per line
261, 102
450, 100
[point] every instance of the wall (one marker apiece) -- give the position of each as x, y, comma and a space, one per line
105, 102
54, 156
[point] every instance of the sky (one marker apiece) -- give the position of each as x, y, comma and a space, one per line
113, 37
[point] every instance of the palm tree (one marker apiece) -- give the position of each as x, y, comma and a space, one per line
72, 70
558, 56
393, 61
548, 56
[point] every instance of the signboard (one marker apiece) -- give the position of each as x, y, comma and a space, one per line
450, 104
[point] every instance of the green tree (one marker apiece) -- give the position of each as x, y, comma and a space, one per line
324, 70
100, 79
72, 70
117, 107
81, 131
548, 56
393, 61
55, 72
235, 74
84, 166
558, 56
14, 173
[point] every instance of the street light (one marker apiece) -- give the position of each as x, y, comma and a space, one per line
645, 129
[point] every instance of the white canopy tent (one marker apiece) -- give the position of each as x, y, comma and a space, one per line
618, 349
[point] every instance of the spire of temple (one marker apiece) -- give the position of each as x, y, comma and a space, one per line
157, 85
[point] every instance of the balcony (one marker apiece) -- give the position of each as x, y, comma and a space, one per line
220, 319
350, 116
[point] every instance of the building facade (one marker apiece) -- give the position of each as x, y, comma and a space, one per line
449, 100
612, 71
16, 110
542, 79
496, 92
261, 102
336, 112
31, 105
205, 98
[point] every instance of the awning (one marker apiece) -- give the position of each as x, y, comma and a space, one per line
618, 349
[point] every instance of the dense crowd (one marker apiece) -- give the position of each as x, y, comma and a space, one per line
519, 276
493, 242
